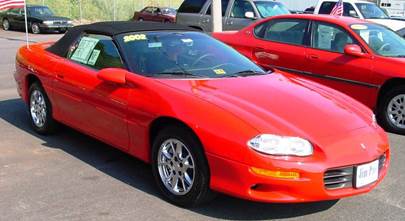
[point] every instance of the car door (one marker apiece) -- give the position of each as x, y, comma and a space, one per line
86, 102
20, 18
12, 16
332, 67
281, 43
237, 18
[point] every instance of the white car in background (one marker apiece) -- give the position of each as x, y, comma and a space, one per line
363, 10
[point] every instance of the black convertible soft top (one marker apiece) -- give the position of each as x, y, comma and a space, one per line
111, 29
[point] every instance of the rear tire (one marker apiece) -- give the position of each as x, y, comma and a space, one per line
185, 170
391, 110
40, 110
6, 25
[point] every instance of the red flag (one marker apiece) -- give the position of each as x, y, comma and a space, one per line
338, 9
7, 4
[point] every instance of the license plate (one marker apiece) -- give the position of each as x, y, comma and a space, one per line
366, 174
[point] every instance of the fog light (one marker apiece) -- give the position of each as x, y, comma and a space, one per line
276, 174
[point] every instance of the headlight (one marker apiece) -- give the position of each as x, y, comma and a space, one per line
48, 22
280, 145
70, 22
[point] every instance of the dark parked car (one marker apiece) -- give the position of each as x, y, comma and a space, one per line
162, 14
40, 19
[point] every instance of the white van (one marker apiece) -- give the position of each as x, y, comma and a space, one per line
363, 10
395, 8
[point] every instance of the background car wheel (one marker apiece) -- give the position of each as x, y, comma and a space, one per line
6, 25
40, 110
35, 28
140, 19
391, 110
166, 21
180, 167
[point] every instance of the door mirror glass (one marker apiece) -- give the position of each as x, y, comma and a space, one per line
354, 50
113, 75
250, 15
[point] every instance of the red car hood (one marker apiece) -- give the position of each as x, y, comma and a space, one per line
279, 104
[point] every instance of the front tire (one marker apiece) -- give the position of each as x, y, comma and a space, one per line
40, 110
180, 167
391, 110
6, 25
35, 29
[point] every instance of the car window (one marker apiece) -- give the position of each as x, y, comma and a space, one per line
95, 51
40, 11
224, 7
371, 11
240, 7
330, 37
191, 6
348, 9
291, 31
268, 8
148, 10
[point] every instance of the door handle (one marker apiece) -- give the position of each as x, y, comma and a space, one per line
313, 56
205, 21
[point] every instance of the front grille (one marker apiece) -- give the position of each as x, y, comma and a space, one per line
60, 22
343, 177
338, 178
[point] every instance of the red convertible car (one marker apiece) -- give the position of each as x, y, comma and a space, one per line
204, 116
361, 59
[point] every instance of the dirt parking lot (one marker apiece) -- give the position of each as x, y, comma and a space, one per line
70, 176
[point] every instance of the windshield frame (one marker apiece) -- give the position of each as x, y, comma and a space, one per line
359, 4
283, 7
186, 73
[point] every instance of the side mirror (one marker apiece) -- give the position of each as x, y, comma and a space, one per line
354, 50
250, 15
113, 75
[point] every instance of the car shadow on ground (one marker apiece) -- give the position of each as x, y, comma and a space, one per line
138, 175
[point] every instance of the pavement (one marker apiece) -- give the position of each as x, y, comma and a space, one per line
70, 176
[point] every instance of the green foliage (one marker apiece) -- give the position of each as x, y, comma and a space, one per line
101, 10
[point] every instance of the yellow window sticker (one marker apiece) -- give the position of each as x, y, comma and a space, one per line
219, 71
137, 37
359, 27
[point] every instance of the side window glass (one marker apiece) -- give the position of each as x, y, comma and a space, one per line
287, 31
326, 7
95, 51
348, 10
260, 30
331, 38
191, 6
240, 7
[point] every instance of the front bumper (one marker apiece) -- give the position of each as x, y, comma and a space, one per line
55, 26
237, 179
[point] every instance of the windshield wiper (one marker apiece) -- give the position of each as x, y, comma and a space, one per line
247, 73
178, 73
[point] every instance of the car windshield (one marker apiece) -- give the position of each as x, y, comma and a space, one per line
382, 40
40, 11
183, 54
371, 11
267, 8
168, 11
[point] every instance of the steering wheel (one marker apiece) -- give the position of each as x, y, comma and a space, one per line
384, 46
205, 56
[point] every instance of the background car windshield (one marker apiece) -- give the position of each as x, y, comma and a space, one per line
184, 54
40, 11
371, 11
267, 9
382, 40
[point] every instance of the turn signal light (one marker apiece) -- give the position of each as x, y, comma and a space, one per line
276, 174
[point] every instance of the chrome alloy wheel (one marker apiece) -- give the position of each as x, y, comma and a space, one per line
35, 28
176, 167
396, 111
38, 108
6, 25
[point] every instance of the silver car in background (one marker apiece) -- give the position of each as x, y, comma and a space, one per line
236, 14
